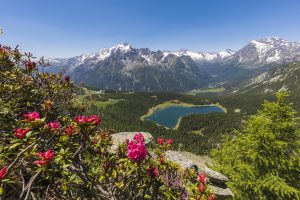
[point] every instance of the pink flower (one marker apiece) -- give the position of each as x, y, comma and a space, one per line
67, 78
136, 151
152, 171
80, 119
93, 119
160, 141
202, 178
201, 187
70, 130
21, 133
31, 116
45, 157
3, 173
211, 197
48, 155
139, 137
53, 125
40, 162
169, 141
30, 65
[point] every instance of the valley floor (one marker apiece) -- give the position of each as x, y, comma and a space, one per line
196, 133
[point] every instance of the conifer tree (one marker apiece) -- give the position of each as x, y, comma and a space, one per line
262, 161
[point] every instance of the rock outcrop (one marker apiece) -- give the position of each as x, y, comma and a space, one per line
217, 181
119, 138
181, 160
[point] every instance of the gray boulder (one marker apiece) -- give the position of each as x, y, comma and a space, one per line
119, 138
217, 181
214, 177
221, 192
181, 160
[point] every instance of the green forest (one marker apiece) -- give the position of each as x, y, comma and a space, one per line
124, 115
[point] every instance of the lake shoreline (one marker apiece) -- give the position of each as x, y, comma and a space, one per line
176, 103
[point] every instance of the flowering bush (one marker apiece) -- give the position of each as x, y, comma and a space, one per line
49, 150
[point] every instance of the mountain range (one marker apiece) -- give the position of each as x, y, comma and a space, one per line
124, 67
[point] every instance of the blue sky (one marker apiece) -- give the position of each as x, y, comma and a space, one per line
63, 28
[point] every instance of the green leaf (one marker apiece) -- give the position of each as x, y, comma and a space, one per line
14, 145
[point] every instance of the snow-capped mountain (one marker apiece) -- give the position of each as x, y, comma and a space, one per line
266, 51
126, 52
204, 57
124, 67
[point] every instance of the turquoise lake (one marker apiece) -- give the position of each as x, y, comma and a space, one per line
170, 115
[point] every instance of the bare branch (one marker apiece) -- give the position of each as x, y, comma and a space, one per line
23, 183
31, 183
19, 156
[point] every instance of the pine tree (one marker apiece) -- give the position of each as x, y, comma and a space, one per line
262, 161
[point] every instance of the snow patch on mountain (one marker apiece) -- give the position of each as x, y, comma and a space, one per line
261, 48
274, 58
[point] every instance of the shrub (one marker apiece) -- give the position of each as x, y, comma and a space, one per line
263, 161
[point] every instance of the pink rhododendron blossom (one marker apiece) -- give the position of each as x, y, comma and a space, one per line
152, 171
40, 162
48, 155
139, 137
211, 197
160, 141
93, 119
53, 125
3, 173
80, 119
202, 178
32, 116
136, 150
30, 65
201, 187
67, 78
169, 141
45, 157
21, 133
69, 130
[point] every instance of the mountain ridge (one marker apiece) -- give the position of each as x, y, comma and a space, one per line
123, 67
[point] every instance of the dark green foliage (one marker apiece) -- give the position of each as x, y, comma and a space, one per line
262, 161
212, 126
125, 116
